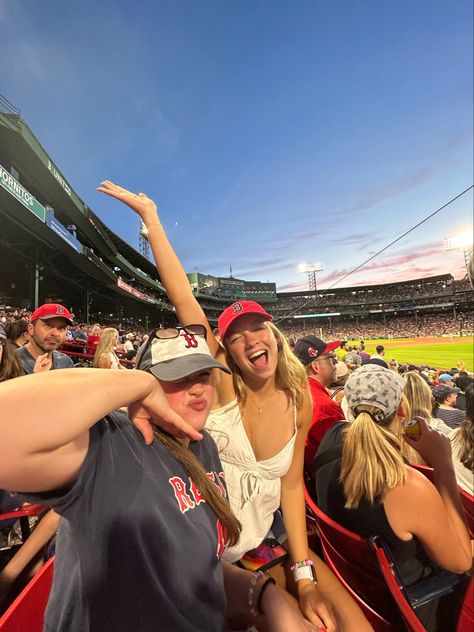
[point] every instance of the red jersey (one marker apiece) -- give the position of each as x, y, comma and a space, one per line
325, 414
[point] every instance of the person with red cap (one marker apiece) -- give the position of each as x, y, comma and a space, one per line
320, 363
47, 330
259, 422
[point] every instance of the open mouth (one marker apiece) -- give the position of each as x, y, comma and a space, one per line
259, 359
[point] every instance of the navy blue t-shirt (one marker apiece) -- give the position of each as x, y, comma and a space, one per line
138, 548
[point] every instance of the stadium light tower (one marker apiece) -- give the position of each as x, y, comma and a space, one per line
462, 243
143, 243
311, 269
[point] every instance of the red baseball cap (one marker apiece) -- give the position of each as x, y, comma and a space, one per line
52, 310
236, 310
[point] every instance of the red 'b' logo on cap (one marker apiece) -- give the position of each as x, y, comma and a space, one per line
237, 307
312, 352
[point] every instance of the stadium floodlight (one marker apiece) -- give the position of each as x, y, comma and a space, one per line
144, 244
462, 243
311, 269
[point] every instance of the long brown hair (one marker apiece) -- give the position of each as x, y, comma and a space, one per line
372, 463
10, 365
290, 376
195, 470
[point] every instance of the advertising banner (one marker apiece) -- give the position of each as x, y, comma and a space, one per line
15, 189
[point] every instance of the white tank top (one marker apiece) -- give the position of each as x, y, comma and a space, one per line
253, 486
115, 363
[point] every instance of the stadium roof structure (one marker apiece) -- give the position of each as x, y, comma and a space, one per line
53, 245
447, 278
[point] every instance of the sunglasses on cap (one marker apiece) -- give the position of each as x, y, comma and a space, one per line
167, 333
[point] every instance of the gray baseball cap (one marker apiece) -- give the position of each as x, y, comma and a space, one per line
171, 359
375, 386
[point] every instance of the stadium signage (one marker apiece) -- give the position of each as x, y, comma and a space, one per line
59, 178
131, 290
63, 232
21, 194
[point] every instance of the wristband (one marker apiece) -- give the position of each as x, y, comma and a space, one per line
304, 572
267, 583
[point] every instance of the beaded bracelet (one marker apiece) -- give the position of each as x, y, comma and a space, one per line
253, 582
301, 564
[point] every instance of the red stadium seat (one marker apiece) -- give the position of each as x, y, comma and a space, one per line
368, 573
26, 613
23, 514
352, 560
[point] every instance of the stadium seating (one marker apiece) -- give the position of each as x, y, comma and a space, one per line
26, 613
352, 560
369, 574
23, 514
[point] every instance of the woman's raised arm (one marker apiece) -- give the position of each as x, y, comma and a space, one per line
169, 266
44, 427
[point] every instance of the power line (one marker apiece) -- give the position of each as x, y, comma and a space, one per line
441, 208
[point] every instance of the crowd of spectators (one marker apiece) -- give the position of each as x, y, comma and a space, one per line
425, 325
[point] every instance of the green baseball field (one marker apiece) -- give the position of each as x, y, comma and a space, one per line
437, 352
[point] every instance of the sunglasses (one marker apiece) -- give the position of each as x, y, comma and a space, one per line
169, 333
331, 357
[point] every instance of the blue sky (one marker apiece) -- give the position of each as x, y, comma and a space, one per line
270, 133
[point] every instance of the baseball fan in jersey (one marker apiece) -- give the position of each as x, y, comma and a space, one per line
144, 523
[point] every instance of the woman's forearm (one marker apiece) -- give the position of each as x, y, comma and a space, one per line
173, 276
44, 411
446, 484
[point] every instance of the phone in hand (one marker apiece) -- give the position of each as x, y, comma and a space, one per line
268, 554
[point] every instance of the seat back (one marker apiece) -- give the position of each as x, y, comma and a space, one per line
26, 613
352, 560
390, 576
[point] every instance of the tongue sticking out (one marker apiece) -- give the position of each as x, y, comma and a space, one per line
260, 361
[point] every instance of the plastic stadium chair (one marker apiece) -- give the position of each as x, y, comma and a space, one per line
352, 560
26, 613
23, 514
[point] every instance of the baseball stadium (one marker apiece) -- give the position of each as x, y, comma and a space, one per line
60, 260
56, 249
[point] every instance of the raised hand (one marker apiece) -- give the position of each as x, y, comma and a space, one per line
138, 202
43, 363
155, 409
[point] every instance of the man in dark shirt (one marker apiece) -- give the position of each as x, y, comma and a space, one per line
48, 331
320, 363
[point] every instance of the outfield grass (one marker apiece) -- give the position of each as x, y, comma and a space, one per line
443, 352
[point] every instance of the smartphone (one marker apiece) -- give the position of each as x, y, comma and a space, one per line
412, 429
268, 554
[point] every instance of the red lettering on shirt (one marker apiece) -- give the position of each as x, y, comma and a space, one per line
221, 539
198, 497
185, 501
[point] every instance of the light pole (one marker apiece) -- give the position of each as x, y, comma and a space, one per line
144, 245
462, 243
311, 269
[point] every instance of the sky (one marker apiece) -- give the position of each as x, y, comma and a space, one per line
270, 133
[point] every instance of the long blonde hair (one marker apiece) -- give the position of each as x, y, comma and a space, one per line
418, 394
107, 342
290, 376
372, 462
196, 472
